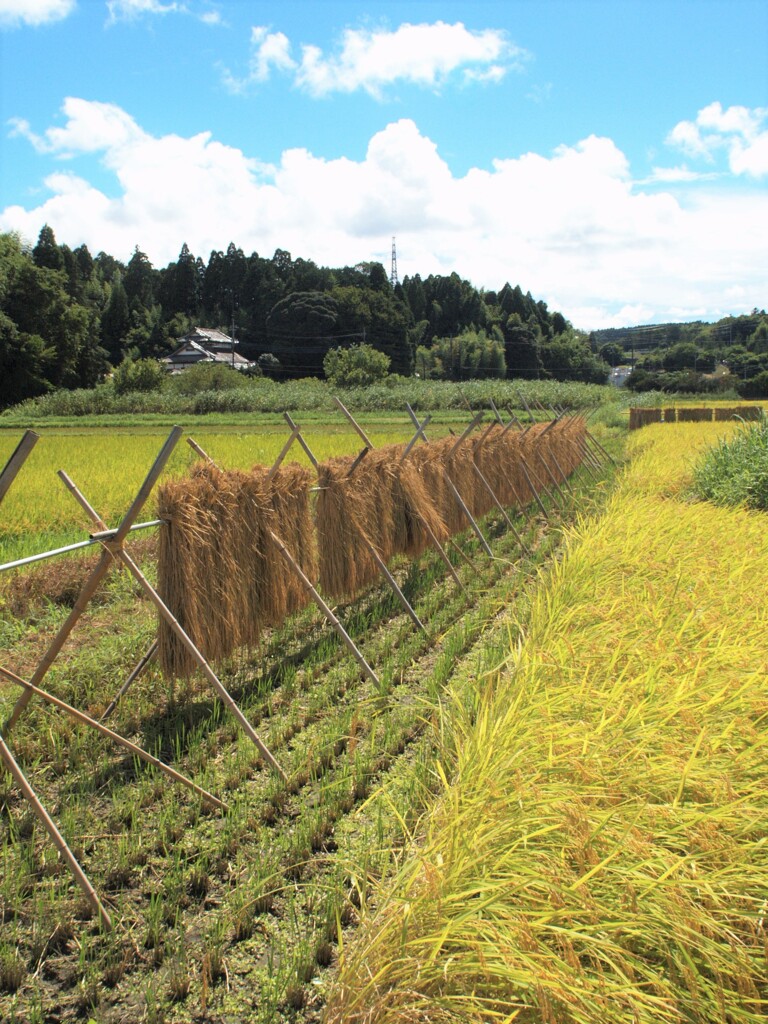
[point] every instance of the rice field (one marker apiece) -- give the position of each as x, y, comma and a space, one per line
598, 849
234, 913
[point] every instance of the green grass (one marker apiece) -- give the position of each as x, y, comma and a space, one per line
735, 471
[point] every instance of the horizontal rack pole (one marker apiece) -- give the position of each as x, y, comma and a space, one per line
93, 539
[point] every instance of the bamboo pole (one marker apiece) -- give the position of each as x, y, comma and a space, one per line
345, 637
80, 716
499, 506
137, 671
206, 669
283, 452
100, 570
16, 461
58, 839
551, 475
470, 518
54, 648
384, 570
365, 439
460, 440
414, 440
301, 440
600, 448
533, 488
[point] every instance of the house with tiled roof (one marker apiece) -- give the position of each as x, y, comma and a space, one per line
205, 345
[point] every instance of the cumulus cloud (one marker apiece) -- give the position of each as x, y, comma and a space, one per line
572, 225
33, 12
741, 133
369, 60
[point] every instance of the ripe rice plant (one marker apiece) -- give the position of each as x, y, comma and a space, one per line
598, 850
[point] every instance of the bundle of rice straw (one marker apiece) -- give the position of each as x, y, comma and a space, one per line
437, 463
218, 570
497, 455
382, 502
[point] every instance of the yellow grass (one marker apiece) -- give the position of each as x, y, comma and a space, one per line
599, 852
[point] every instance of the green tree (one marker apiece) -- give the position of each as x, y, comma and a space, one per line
116, 320
356, 366
46, 254
144, 375
469, 354
522, 347
612, 353
24, 364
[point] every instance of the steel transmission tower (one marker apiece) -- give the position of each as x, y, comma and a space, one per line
393, 271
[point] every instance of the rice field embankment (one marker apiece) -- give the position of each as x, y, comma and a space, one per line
598, 852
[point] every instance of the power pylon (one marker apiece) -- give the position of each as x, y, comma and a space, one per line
393, 271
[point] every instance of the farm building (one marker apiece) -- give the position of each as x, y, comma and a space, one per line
205, 345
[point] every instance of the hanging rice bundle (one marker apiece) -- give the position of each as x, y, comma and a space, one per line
219, 572
439, 469
500, 458
420, 521
738, 412
282, 593
203, 545
642, 417
670, 414
694, 414
343, 510
573, 438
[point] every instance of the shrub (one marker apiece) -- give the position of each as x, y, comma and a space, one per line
206, 377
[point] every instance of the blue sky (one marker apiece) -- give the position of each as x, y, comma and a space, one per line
609, 156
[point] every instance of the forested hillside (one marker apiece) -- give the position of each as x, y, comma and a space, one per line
692, 356
67, 318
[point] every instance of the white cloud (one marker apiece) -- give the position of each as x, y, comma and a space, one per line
739, 132
271, 49
34, 12
572, 226
425, 55
128, 10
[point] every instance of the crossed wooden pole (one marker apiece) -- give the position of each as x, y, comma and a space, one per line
112, 543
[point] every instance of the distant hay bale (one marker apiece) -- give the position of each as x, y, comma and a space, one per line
748, 413
641, 417
218, 570
694, 414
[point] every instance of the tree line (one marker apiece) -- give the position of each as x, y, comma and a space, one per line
68, 318
694, 357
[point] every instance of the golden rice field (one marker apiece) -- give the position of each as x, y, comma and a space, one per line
110, 465
599, 851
